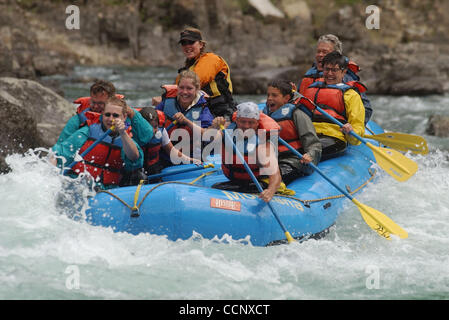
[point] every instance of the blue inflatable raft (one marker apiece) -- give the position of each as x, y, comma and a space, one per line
185, 204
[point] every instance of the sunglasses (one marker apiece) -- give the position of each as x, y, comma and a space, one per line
108, 114
187, 42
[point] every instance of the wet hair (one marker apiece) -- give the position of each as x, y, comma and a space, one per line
330, 38
150, 114
284, 86
100, 86
189, 74
118, 102
335, 58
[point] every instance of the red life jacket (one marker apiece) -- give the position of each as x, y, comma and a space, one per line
161, 118
330, 98
236, 171
354, 67
307, 81
104, 162
91, 117
152, 149
84, 103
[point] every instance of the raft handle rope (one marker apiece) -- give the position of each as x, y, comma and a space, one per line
306, 203
202, 176
135, 209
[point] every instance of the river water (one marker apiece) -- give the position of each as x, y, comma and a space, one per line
46, 255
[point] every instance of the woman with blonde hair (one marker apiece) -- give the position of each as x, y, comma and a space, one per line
186, 108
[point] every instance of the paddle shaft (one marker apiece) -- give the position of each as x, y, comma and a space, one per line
164, 174
316, 169
171, 125
259, 187
339, 124
393, 162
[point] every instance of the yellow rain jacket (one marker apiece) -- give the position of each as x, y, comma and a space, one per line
355, 113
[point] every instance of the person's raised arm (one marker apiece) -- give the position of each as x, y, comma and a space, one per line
128, 145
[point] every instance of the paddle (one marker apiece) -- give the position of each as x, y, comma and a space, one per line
377, 221
171, 125
393, 162
93, 145
401, 141
253, 178
164, 174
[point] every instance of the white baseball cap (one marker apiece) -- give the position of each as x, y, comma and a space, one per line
248, 110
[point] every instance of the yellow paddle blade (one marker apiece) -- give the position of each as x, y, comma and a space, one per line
401, 141
394, 163
379, 222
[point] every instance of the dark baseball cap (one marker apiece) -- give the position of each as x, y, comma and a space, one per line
150, 114
190, 35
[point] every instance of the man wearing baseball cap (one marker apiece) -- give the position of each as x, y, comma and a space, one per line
250, 134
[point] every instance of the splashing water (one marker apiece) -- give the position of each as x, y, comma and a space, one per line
40, 246
45, 254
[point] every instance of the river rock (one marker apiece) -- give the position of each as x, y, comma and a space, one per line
32, 116
407, 70
407, 55
255, 82
266, 8
21, 52
297, 9
438, 126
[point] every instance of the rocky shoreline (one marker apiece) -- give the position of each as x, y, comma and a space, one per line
408, 54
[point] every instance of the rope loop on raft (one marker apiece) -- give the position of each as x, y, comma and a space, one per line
135, 208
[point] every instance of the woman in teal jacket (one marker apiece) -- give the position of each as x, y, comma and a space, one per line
116, 155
